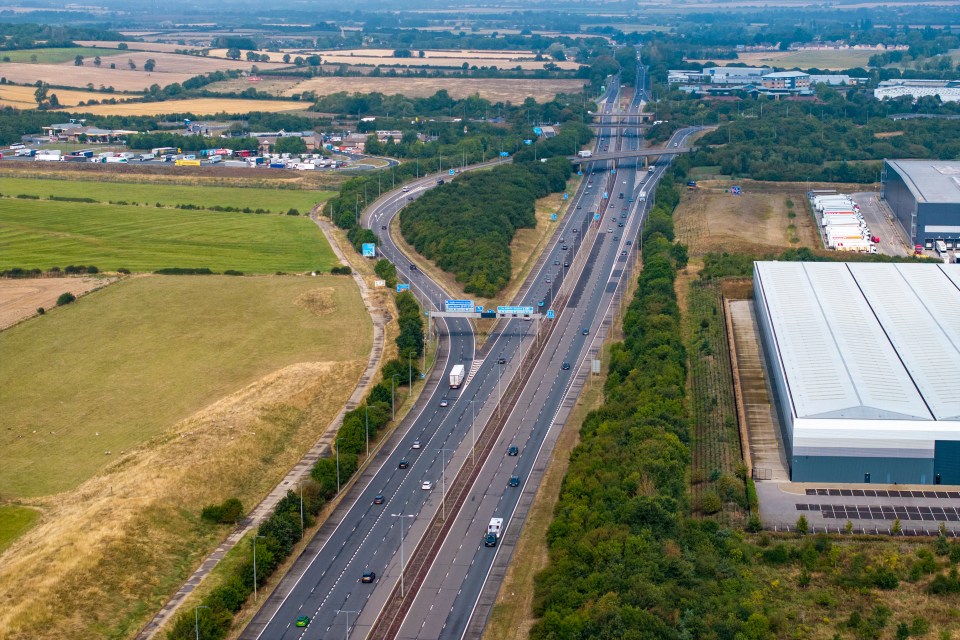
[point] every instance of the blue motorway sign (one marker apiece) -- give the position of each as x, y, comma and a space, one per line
369, 250
596, 216
528, 142
553, 216
540, 303
403, 287
523, 311
605, 195
504, 154
550, 314
566, 195
478, 309
453, 172
465, 306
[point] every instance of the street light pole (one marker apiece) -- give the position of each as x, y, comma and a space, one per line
254, 540
336, 447
473, 430
196, 619
393, 398
366, 421
300, 486
346, 631
401, 515
443, 482
410, 373
499, 388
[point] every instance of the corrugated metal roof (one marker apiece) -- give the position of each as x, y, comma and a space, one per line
867, 341
936, 181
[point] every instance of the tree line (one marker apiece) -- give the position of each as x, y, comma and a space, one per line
466, 227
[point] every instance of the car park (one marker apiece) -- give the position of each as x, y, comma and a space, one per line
426, 485
513, 450
303, 621
368, 577
403, 464
379, 499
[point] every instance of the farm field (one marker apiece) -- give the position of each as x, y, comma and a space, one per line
134, 46
56, 56
234, 379
832, 59
19, 298
709, 219
43, 234
21, 97
495, 90
272, 200
196, 106
190, 341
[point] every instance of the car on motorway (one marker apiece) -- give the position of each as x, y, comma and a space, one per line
566, 264
629, 242
616, 238
620, 224
303, 621
564, 247
444, 403
409, 198
547, 281
368, 577
512, 450
405, 189
379, 499
565, 366
383, 227
609, 229
575, 230
585, 331
623, 253
514, 481
556, 263
579, 207
501, 361
403, 464
413, 267
426, 485
416, 444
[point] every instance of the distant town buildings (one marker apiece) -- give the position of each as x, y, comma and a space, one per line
946, 90
726, 81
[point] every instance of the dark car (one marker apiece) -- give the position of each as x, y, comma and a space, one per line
586, 331
556, 263
514, 481
575, 230
413, 267
623, 253
565, 247
620, 224
578, 206
629, 242
303, 621
566, 264
501, 361
512, 450
383, 226
565, 366
368, 577
403, 464
379, 499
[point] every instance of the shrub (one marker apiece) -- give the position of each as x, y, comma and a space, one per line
803, 527
292, 212
184, 271
228, 512
123, 271
65, 298
341, 270
709, 502
232, 272
41, 311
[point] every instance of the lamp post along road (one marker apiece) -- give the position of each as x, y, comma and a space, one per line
196, 619
346, 631
443, 482
401, 515
254, 540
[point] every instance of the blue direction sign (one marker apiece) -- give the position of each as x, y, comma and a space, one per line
465, 306
596, 216
613, 172
540, 303
403, 287
504, 154
523, 311
478, 309
550, 315
453, 172
605, 195
553, 216
566, 195
528, 142
369, 250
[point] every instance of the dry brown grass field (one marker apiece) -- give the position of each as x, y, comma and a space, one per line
198, 106
128, 535
21, 97
834, 59
495, 90
19, 299
134, 46
710, 219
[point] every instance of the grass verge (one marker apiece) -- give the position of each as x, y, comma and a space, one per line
14, 522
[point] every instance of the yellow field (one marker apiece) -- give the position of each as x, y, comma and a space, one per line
198, 106
134, 46
22, 97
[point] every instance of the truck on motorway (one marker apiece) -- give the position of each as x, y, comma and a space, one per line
144, 157
456, 376
493, 532
48, 155
186, 162
643, 196
29, 153
116, 160
585, 154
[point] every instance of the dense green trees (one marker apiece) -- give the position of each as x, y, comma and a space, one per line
466, 226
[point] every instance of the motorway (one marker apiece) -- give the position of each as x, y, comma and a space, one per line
368, 537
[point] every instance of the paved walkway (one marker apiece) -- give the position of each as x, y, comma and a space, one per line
300, 470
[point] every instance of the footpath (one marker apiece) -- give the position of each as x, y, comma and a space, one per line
301, 470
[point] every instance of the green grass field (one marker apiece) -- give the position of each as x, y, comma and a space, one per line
56, 56
43, 234
130, 360
14, 522
274, 200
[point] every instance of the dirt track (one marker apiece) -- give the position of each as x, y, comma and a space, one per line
19, 299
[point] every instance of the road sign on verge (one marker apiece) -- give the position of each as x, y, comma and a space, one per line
596, 216
550, 315
553, 216
504, 154
403, 287
369, 250
523, 311
379, 283
458, 305
453, 172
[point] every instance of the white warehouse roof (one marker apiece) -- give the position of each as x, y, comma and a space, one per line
866, 341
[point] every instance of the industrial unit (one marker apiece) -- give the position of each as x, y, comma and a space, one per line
925, 197
864, 364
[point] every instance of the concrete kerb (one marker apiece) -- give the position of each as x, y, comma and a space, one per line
300, 470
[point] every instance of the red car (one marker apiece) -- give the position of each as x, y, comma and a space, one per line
874, 239
918, 250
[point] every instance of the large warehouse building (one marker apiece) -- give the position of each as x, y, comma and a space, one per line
925, 197
864, 363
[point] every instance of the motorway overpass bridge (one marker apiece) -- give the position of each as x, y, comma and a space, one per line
634, 153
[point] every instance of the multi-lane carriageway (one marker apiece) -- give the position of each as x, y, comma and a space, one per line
361, 536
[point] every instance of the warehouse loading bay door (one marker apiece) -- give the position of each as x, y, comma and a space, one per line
946, 462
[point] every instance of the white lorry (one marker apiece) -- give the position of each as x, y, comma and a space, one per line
585, 154
456, 376
642, 197
493, 532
